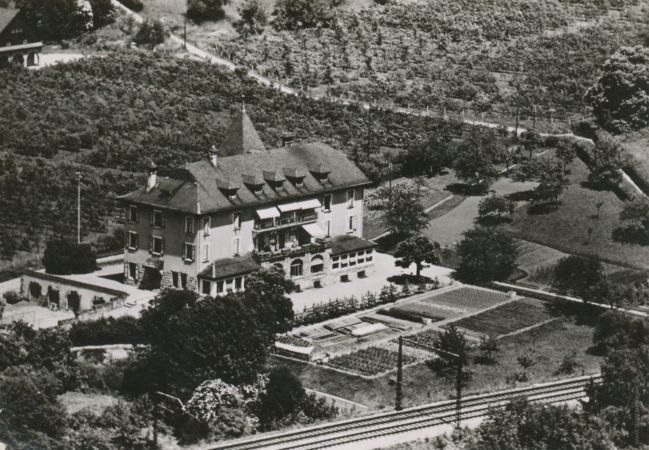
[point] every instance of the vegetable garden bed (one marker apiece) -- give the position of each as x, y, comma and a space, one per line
369, 361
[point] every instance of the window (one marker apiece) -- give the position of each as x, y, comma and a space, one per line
238, 283
235, 246
317, 264
156, 219
188, 252
175, 281
206, 287
207, 224
343, 261
296, 268
206, 253
299, 182
228, 285
132, 240
327, 226
236, 221
183, 281
133, 215
189, 225
132, 271
326, 203
157, 245
352, 259
350, 199
335, 262
368, 258
219, 287
351, 224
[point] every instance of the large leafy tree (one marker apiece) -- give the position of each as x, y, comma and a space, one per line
57, 19
227, 337
606, 160
636, 214
475, 156
550, 174
403, 213
296, 14
202, 10
578, 275
65, 257
486, 254
620, 98
417, 249
492, 208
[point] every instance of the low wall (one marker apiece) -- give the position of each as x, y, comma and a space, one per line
87, 292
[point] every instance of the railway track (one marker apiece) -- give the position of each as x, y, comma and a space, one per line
410, 419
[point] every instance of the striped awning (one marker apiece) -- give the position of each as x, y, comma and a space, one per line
310, 204
268, 213
289, 207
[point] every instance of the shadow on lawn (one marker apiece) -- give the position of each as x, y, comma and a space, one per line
581, 313
467, 189
630, 235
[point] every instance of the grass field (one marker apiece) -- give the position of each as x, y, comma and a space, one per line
537, 261
575, 227
551, 341
507, 318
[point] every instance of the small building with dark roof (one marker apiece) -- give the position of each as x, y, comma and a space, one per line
298, 208
19, 42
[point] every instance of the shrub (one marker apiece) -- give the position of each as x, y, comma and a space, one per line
104, 331
201, 10
12, 297
63, 257
150, 33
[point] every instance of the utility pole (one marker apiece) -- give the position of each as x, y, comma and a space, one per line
398, 406
78, 207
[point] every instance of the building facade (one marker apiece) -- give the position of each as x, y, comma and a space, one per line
205, 228
19, 43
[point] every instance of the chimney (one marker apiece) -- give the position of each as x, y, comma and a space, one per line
152, 170
213, 157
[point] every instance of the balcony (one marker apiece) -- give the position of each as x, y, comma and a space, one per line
293, 252
286, 219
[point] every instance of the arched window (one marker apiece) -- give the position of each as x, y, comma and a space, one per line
317, 264
296, 268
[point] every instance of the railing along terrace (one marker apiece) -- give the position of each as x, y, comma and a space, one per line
286, 219
274, 255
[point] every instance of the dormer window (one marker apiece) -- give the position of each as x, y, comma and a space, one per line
320, 172
295, 176
255, 183
274, 180
228, 189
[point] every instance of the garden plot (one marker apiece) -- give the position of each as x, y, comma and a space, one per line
369, 361
507, 318
467, 299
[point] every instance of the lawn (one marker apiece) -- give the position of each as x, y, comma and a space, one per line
551, 342
507, 318
575, 226
449, 228
537, 261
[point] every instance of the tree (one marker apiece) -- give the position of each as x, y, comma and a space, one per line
425, 159
403, 213
494, 207
253, 18
530, 140
417, 249
452, 340
636, 214
606, 160
566, 153
485, 254
475, 156
202, 10
488, 346
523, 425
265, 295
151, 33
57, 19
31, 417
297, 14
550, 174
620, 98
578, 275
103, 12
65, 257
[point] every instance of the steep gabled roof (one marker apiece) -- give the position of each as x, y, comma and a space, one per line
6, 16
241, 137
211, 188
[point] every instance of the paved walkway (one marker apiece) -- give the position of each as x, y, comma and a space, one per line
384, 268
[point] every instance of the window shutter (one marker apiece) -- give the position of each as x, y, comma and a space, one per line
151, 217
135, 240
354, 223
162, 220
162, 246
151, 245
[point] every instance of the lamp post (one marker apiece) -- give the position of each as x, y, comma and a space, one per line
78, 207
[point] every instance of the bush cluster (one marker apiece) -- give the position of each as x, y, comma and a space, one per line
63, 257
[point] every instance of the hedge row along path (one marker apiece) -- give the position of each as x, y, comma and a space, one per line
192, 49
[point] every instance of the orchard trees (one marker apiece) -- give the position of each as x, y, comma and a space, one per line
403, 213
417, 249
475, 157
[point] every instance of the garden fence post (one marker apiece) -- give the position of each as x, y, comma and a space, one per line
398, 406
